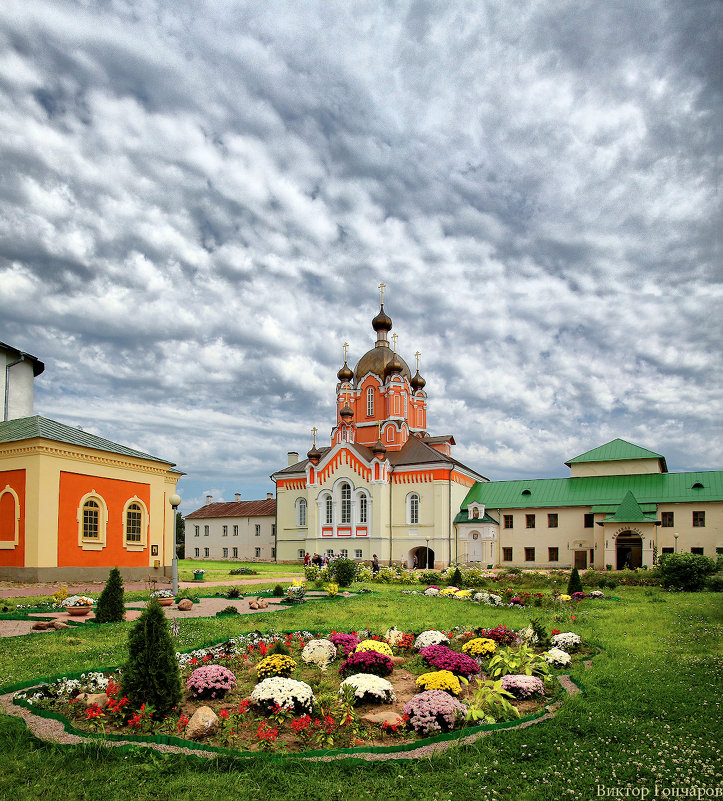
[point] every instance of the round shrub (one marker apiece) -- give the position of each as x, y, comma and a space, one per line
367, 662
369, 688
275, 665
440, 680
430, 637
343, 571
228, 610
210, 681
434, 712
319, 652
685, 571
346, 642
500, 634
443, 658
522, 686
374, 645
480, 647
278, 591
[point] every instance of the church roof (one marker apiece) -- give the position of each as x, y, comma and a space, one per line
599, 491
376, 361
463, 517
38, 427
266, 507
617, 450
629, 511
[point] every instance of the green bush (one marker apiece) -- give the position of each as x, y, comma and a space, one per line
110, 607
343, 571
456, 579
714, 584
431, 577
234, 592
183, 594
229, 610
151, 675
685, 571
278, 591
574, 585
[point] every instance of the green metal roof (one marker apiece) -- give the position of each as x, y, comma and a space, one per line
648, 488
629, 511
41, 427
617, 450
462, 517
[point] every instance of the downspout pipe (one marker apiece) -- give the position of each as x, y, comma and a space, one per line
391, 484
449, 510
7, 384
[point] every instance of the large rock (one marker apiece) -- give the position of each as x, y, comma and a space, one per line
380, 718
58, 624
185, 605
397, 660
202, 723
95, 698
42, 625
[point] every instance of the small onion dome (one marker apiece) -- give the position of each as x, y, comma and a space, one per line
314, 454
417, 382
347, 412
378, 449
345, 374
382, 322
394, 366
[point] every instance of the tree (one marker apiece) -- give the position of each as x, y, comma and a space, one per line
685, 571
180, 536
575, 585
151, 675
110, 607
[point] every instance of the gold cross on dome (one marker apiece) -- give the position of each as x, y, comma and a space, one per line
346, 346
417, 355
394, 339
381, 289
313, 431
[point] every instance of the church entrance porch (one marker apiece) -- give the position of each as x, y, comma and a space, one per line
425, 558
629, 551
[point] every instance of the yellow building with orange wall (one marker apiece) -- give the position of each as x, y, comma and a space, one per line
73, 505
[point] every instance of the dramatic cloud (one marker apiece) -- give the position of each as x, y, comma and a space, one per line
197, 202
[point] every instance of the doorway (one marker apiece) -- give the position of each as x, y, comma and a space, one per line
629, 550
425, 558
581, 560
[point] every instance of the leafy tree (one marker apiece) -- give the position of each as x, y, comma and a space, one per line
180, 537
574, 585
343, 571
151, 675
110, 607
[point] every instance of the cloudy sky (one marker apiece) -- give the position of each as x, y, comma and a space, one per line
199, 199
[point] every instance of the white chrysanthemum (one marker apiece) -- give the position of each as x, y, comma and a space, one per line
431, 591
596, 594
393, 635
367, 686
430, 637
287, 693
557, 657
487, 598
319, 652
568, 641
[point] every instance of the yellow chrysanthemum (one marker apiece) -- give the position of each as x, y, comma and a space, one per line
463, 594
566, 598
440, 680
448, 591
275, 665
374, 645
480, 646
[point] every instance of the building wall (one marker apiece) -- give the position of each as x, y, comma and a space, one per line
619, 467
12, 518
55, 474
20, 395
245, 541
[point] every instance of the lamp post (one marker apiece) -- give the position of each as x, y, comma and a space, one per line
427, 559
676, 542
175, 501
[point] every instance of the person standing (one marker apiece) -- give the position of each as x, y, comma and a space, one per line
375, 565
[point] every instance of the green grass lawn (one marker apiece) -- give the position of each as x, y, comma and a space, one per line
650, 714
218, 569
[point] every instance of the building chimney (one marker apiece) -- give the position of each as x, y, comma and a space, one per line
293, 457
269, 496
209, 499
237, 497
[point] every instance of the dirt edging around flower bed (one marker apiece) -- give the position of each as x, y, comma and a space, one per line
53, 730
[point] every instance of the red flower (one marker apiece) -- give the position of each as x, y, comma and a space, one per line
555, 631
266, 734
301, 725
223, 713
182, 722
93, 711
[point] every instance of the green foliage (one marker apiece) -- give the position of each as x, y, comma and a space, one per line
543, 638
685, 571
278, 647
574, 585
523, 660
151, 675
343, 571
228, 610
490, 704
456, 579
234, 592
110, 607
278, 591
431, 577
189, 594
714, 584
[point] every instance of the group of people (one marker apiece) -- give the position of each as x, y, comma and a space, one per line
322, 561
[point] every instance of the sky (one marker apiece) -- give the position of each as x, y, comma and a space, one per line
198, 201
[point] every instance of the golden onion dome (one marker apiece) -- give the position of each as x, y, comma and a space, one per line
417, 382
376, 360
393, 366
347, 412
382, 322
345, 373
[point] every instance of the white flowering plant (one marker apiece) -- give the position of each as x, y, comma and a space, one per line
319, 652
557, 657
288, 694
78, 600
488, 598
430, 637
567, 641
163, 594
369, 688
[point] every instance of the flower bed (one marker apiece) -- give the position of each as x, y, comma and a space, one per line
259, 692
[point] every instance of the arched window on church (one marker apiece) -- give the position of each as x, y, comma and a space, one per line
404, 399
135, 524
301, 512
92, 521
370, 402
390, 433
413, 509
345, 503
328, 511
362, 508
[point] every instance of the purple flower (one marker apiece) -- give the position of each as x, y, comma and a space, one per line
442, 657
523, 686
367, 662
347, 642
210, 681
434, 711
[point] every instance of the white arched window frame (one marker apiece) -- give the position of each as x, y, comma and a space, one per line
301, 512
325, 502
345, 493
413, 509
135, 525
14, 539
370, 402
92, 522
390, 433
362, 507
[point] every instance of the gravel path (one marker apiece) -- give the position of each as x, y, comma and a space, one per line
53, 731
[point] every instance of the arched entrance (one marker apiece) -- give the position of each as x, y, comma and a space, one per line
425, 558
629, 550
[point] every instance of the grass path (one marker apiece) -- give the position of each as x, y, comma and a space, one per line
650, 714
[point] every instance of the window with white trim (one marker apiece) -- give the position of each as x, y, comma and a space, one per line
362, 508
196, 552
301, 553
135, 524
206, 531
370, 402
235, 531
92, 522
344, 553
328, 511
235, 553
257, 552
301, 512
257, 530
225, 531
205, 552
196, 531
9, 518
330, 552
358, 553
413, 509
225, 553
390, 433
345, 503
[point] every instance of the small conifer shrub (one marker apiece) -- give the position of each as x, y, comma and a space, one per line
109, 608
574, 585
151, 675
456, 580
